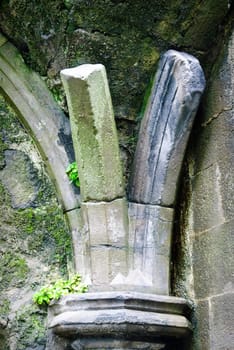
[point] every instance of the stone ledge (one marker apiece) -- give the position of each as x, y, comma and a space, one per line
120, 315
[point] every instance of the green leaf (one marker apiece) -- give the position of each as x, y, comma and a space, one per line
72, 173
59, 288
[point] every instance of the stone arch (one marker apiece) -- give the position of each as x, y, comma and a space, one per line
43, 119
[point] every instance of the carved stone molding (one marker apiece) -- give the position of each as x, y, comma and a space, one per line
114, 320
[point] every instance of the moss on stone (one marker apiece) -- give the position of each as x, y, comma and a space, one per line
35, 244
4, 307
123, 40
40, 226
13, 270
29, 327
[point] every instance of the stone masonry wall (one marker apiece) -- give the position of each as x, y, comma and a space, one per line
205, 271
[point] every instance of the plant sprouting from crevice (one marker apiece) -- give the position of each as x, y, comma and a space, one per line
72, 173
60, 288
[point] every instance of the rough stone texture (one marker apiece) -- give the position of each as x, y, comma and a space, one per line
167, 123
106, 224
34, 239
42, 118
202, 326
213, 261
94, 318
108, 344
23, 185
94, 132
221, 313
127, 37
208, 211
150, 245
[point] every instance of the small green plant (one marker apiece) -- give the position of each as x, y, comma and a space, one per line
72, 173
58, 289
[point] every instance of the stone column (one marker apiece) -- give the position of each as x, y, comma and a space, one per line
165, 128
120, 248
103, 233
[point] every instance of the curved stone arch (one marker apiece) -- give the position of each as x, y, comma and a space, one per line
43, 119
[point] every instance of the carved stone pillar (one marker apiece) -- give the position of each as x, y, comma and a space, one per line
101, 251
164, 132
125, 253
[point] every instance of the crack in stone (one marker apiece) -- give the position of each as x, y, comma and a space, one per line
215, 116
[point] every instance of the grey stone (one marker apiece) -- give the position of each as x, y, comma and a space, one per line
212, 174
222, 331
208, 195
80, 242
165, 129
202, 326
150, 229
107, 344
20, 178
122, 317
94, 132
213, 261
113, 300
106, 224
41, 116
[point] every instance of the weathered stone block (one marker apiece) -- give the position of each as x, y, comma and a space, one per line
94, 132
41, 116
107, 222
222, 331
80, 242
102, 241
24, 185
165, 129
207, 199
150, 229
114, 320
201, 322
213, 261
212, 173
106, 264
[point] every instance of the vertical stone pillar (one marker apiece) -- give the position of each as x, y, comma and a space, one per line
94, 132
120, 248
165, 128
104, 215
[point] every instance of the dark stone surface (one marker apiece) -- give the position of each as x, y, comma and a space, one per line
125, 36
110, 344
167, 123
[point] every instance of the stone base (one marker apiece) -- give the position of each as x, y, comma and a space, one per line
118, 320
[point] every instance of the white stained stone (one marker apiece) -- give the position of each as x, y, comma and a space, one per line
107, 230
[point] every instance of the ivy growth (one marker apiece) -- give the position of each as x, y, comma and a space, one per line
59, 288
72, 173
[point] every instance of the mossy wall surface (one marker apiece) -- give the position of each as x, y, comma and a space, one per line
34, 239
128, 38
